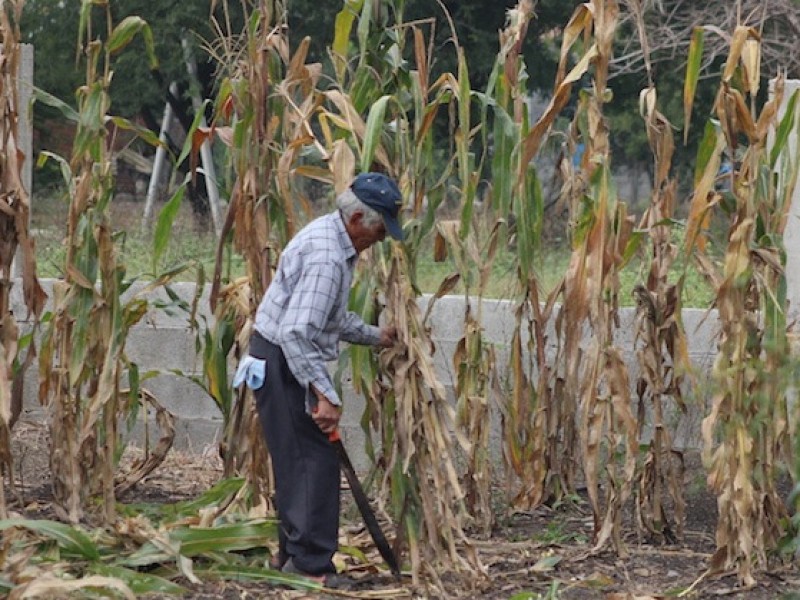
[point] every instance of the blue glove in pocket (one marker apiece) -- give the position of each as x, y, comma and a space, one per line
252, 372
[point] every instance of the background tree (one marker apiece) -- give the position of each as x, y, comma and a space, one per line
52, 28
670, 24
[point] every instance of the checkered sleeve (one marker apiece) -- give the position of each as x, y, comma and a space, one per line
356, 331
303, 324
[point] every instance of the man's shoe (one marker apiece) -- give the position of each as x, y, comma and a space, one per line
332, 581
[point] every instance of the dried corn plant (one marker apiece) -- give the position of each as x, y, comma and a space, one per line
537, 436
660, 339
591, 366
582, 399
661, 348
83, 357
745, 434
263, 109
420, 466
474, 363
14, 237
150, 550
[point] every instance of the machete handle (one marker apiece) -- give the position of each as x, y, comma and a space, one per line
333, 436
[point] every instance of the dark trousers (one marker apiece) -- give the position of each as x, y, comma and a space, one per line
304, 462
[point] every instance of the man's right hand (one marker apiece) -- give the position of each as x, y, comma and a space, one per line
325, 415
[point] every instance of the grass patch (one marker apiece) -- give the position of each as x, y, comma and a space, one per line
193, 243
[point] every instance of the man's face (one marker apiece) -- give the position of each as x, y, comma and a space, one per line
364, 235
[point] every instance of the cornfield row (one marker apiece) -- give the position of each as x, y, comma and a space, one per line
568, 416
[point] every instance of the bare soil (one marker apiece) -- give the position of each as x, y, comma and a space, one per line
515, 556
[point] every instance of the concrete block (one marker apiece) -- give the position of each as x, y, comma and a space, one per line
162, 348
183, 398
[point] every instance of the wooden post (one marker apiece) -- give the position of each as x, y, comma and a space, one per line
205, 149
159, 161
25, 132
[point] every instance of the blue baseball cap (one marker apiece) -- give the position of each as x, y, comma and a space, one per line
381, 193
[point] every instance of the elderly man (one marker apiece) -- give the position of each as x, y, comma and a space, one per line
298, 326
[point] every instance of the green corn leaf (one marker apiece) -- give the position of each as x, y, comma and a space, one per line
344, 25
148, 554
5, 585
213, 497
705, 151
363, 90
502, 160
693, 64
88, 138
784, 129
65, 109
66, 171
169, 275
163, 230
632, 247
198, 118
364, 23
83, 23
224, 538
546, 563
239, 572
342, 28
463, 139
71, 539
124, 32
143, 132
374, 130
223, 96
140, 583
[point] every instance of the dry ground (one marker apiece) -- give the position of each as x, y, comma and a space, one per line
513, 555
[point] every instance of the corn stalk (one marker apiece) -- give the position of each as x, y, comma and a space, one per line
345, 134
533, 423
661, 348
14, 236
475, 364
83, 361
592, 368
660, 339
745, 434
582, 394
263, 110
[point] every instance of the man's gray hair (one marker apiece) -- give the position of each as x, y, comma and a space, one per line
348, 203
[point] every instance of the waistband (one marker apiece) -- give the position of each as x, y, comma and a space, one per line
260, 347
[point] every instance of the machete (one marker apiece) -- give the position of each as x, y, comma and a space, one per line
363, 504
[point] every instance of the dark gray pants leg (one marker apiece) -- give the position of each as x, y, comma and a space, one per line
305, 464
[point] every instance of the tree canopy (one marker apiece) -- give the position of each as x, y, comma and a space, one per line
52, 27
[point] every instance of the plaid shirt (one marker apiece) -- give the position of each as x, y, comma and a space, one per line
304, 310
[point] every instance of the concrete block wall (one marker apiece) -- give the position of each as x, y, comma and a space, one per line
163, 342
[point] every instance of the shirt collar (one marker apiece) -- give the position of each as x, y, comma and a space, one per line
344, 237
